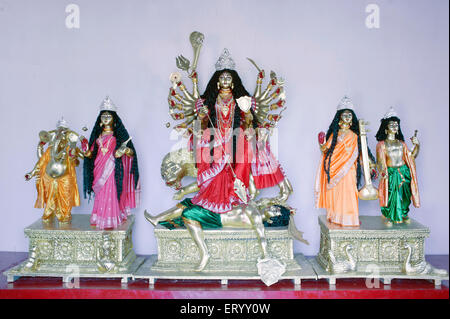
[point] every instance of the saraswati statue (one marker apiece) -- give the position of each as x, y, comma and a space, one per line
345, 156
227, 151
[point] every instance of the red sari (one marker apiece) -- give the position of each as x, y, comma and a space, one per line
215, 176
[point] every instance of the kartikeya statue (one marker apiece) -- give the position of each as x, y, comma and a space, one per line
56, 180
111, 169
221, 127
396, 163
340, 169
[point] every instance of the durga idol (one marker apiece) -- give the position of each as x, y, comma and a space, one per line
223, 142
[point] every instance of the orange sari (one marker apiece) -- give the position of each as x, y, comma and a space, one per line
339, 196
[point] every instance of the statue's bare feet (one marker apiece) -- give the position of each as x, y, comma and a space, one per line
255, 194
407, 220
48, 220
178, 195
65, 221
150, 218
203, 262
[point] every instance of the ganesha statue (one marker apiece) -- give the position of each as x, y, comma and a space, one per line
56, 180
227, 153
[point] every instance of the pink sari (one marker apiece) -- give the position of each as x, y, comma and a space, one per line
266, 170
108, 211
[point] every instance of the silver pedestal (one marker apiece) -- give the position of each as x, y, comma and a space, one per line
234, 255
374, 251
147, 271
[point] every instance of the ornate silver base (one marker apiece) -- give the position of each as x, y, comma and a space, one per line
147, 271
372, 274
374, 251
234, 255
77, 250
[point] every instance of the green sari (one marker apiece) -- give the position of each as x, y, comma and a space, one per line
399, 194
206, 218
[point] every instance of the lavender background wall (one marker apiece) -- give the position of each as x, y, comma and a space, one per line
127, 49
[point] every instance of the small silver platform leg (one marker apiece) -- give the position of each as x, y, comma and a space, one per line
124, 280
437, 282
331, 281
151, 281
386, 281
224, 282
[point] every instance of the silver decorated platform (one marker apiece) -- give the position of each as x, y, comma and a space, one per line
77, 250
234, 255
147, 271
375, 251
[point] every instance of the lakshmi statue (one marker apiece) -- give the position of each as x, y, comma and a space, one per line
221, 125
56, 180
339, 172
398, 184
111, 170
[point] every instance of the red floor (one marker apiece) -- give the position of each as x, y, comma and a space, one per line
53, 288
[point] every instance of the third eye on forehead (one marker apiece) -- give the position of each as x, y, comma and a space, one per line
346, 114
225, 76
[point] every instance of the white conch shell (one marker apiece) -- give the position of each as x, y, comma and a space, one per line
175, 77
270, 270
